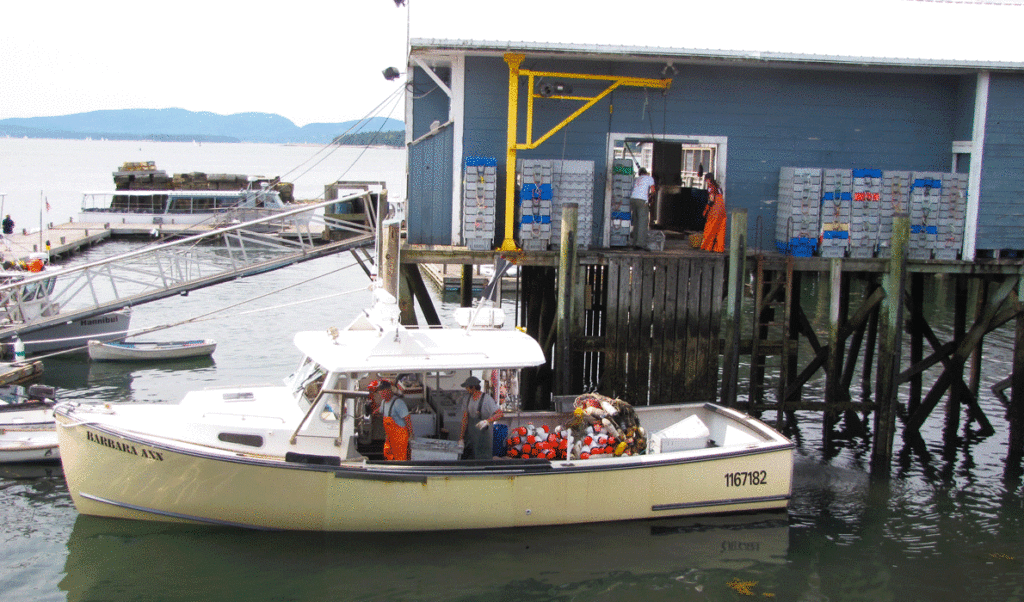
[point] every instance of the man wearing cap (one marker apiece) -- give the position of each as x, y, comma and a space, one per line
397, 422
481, 411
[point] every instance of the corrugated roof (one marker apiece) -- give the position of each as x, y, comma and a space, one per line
693, 55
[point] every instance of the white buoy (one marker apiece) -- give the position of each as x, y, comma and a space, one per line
19, 350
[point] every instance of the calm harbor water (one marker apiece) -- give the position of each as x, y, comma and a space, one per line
948, 525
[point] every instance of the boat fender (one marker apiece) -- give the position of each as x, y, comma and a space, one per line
19, 350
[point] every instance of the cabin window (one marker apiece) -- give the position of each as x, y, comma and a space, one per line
241, 439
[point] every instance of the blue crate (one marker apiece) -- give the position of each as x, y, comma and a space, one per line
481, 162
532, 191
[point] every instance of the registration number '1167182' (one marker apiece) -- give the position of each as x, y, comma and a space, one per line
742, 479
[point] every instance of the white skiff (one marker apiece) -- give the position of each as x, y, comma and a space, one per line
27, 432
137, 351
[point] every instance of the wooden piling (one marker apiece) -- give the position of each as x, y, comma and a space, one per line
733, 305
887, 390
1015, 413
566, 311
834, 361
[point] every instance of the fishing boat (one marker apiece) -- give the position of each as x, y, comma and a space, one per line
137, 351
26, 425
292, 457
25, 297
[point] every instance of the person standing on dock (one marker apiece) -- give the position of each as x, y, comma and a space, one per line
8, 225
643, 189
397, 422
478, 417
714, 227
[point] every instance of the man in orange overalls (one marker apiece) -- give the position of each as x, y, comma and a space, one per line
397, 422
714, 227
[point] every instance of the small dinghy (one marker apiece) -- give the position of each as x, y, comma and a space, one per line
27, 429
125, 351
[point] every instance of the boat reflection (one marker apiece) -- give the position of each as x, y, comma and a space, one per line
150, 559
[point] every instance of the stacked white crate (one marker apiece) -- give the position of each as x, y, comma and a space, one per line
799, 211
535, 198
864, 213
925, 201
478, 202
622, 186
895, 199
573, 182
836, 201
952, 213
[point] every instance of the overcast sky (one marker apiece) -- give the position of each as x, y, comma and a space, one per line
321, 61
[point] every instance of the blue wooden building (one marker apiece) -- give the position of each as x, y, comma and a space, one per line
744, 116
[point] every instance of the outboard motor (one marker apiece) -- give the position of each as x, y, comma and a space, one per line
41, 393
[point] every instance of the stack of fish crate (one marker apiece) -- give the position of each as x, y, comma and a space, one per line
478, 202
535, 198
895, 199
799, 211
952, 213
622, 186
836, 205
573, 182
864, 222
925, 201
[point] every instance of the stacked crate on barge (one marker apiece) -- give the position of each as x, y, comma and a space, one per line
573, 182
836, 207
799, 211
535, 204
865, 214
478, 202
925, 201
621, 216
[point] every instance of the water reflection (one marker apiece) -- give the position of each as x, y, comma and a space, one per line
78, 377
171, 562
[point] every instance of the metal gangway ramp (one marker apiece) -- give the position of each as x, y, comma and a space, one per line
176, 267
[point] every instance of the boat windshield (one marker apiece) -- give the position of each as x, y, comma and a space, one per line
308, 380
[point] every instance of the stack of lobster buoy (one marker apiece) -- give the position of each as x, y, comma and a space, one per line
538, 442
599, 427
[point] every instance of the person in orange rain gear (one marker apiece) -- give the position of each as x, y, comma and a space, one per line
714, 228
397, 422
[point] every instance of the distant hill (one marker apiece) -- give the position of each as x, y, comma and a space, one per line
179, 124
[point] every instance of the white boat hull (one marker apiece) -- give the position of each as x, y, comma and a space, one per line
116, 473
27, 434
150, 351
68, 335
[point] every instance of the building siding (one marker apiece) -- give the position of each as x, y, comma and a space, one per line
773, 117
1001, 206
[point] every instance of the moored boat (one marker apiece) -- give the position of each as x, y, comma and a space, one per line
135, 351
293, 457
27, 431
25, 297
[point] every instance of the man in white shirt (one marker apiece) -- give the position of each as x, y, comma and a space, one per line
643, 189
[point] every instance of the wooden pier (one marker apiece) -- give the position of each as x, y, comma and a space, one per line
690, 325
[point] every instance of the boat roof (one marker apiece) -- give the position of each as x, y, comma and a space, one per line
417, 350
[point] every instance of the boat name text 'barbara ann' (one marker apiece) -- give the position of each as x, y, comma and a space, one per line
124, 447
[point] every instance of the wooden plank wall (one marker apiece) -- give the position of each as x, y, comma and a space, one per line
661, 336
